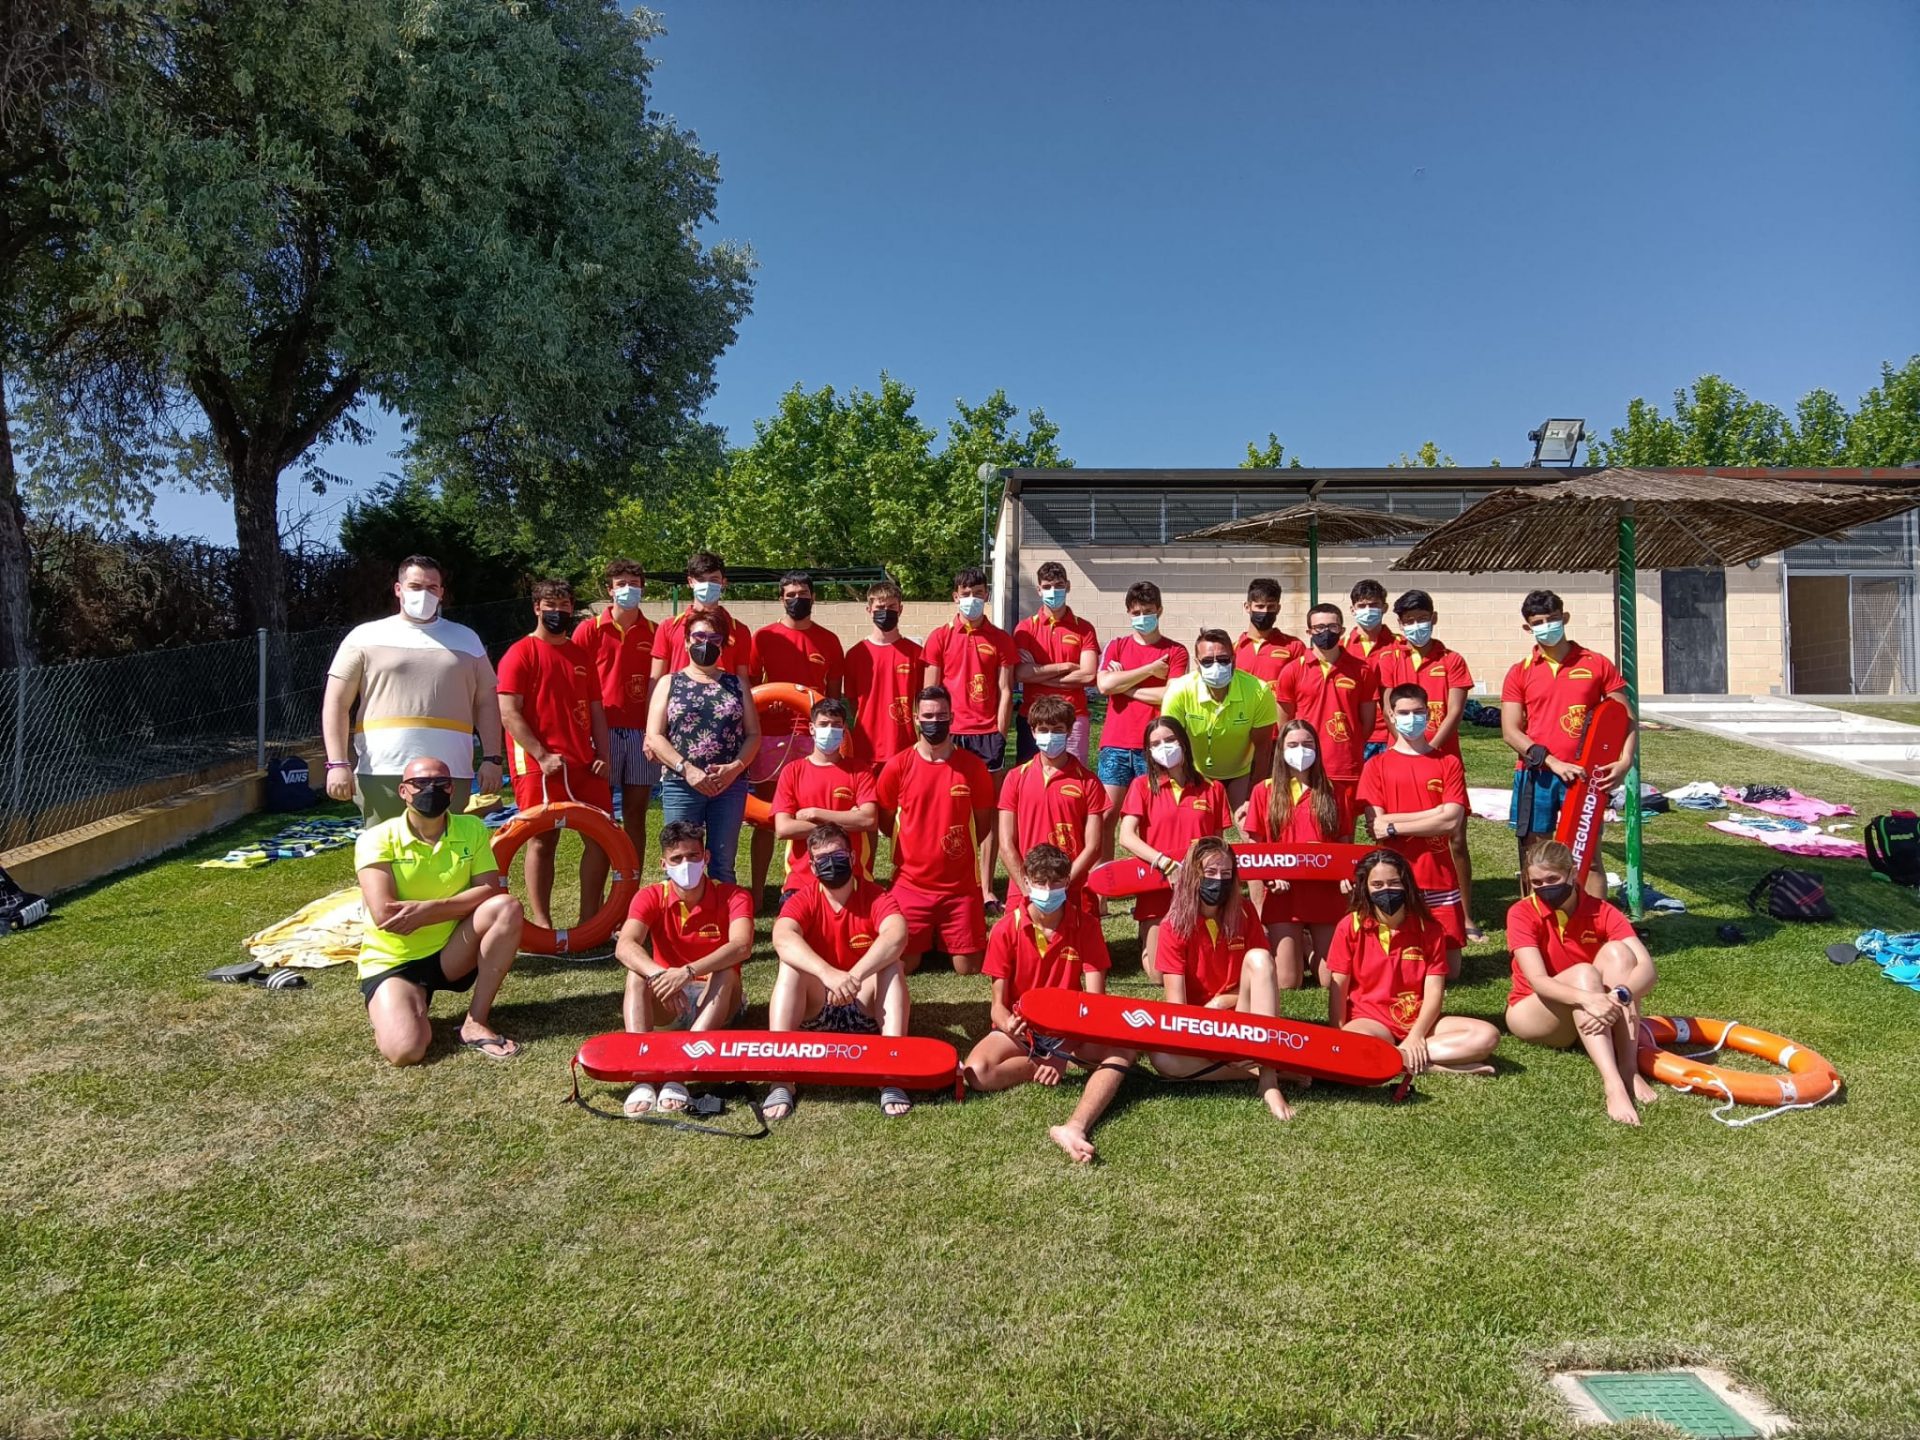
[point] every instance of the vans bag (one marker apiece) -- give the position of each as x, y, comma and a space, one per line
1790, 895
287, 787
1893, 846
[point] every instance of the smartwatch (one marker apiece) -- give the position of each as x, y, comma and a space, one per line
1393, 831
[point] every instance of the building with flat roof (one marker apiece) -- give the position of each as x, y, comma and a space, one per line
1830, 617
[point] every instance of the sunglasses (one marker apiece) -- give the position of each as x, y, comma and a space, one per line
445, 787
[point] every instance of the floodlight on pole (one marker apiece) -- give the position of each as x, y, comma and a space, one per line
1557, 442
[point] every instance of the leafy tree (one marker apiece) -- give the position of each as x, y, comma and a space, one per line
1713, 424
481, 562
1269, 456
1427, 457
464, 211
1886, 428
673, 497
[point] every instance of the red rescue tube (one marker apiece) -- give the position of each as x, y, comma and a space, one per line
1325, 861
912, 1062
590, 823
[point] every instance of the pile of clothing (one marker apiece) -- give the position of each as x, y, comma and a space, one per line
1786, 803
1898, 956
296, 842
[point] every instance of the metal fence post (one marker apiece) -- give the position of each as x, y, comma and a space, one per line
260, 747
19, 735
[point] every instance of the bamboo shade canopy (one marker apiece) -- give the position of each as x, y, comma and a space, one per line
1336, 524
1681, 521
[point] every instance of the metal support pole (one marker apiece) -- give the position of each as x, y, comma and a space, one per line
1624, 602
1313, 559
20, 678
260, 740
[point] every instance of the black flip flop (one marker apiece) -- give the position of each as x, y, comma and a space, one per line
1841, 953
279, 980
237, 974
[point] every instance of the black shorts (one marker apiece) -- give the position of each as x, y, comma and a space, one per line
990, 748
424, 972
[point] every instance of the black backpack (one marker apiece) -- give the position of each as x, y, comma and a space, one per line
287, 787
19, 908
1893, 846
1790, 895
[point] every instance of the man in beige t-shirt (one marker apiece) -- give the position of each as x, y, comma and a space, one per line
424, 685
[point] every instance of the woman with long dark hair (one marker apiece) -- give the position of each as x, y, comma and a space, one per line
1297, 803
1164, 812
1388, 974
1212, 953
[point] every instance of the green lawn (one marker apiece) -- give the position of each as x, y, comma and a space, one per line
1907, 712
222, 1215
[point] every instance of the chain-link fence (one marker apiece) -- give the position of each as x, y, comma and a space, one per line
88, 740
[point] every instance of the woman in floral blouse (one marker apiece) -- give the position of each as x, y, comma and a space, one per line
703, 729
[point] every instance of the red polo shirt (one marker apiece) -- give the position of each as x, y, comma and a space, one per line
1047, 639
806, 784
1328, 694
1128, 719
1371, 653
841, 937
970, 660
670, 643
784, 654
1171, 819
1208, 958
557, 687
1397, 784
881, 682
1435, 670
1563, 939
1028, 957
1387, 969
622, 658
1265, 656
940, 812
679, 933
1559, 696
1053, 809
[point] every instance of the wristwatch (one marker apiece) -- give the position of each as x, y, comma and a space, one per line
492, 759
681, 768
1393, 831
1623, 995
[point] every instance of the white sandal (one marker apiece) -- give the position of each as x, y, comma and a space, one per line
640, 1100
674, 1098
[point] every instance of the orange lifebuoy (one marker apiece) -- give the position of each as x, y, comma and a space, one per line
772, 702
1810, 1077
590, 823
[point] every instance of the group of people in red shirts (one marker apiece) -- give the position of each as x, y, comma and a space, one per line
1283, 738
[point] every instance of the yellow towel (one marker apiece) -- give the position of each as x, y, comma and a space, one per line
320, 933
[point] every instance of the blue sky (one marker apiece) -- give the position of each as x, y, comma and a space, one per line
1363, 225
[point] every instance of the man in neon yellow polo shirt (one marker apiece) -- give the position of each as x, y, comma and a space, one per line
1229, 716
438, 918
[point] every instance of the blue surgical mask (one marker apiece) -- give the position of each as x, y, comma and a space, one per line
627, 597
1053, 597
1047, 899
1418, 634
708, 592
1411, 724
1144, 624
971, 607
1550, 632
1217, 674
1368, 616
1050, 743
829, 737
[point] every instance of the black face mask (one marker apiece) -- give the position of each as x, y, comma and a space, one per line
1325, 639
556, 621
431, 803
833, 869
799, 607
885, 620
1213, 890
1263, 619
704, 651
1388, 902
1555, 895
935, 732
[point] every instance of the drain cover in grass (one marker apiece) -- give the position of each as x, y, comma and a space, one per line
1680, 1399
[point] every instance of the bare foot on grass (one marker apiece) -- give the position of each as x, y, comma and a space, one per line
1620, 1107
1079, 1149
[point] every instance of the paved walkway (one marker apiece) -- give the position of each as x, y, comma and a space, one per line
1860, 742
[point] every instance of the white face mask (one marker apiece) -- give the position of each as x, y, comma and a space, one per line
686, 873
829, 738
1300, 757
1167, 753
1217, 673
419, 604
1050, 743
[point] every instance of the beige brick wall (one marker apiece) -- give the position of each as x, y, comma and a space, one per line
1479, 614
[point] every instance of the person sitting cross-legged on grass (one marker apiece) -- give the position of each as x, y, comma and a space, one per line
1579, 973
1387, 975
840, 943
683, 943
438, 918
1214, 953
1047, 939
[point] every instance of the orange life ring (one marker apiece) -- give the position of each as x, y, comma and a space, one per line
590, 823
1810, 1077
772, 702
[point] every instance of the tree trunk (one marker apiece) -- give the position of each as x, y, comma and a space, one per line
262, 591
16, 606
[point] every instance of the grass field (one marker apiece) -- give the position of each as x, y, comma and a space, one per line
1907, 712
223, 1216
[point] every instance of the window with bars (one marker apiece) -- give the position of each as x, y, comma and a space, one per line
1882, 545
1130, 518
